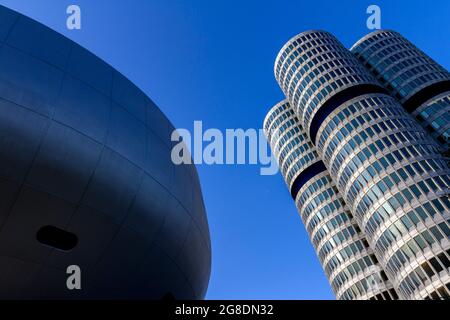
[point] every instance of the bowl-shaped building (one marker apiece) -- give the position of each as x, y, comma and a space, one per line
86, 179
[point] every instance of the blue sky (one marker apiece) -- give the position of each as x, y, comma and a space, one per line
213, 61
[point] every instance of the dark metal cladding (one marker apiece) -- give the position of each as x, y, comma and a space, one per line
85, 155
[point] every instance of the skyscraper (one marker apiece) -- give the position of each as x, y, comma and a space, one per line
349, 263
420, 84
387, 168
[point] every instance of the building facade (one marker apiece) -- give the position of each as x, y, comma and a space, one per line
349, 263
86, 179
419, 83
387, 168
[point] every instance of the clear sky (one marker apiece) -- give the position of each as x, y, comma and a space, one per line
213, 61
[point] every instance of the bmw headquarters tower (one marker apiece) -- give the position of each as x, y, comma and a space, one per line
87, 180
362, 142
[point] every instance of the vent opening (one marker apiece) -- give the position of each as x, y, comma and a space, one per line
57, 238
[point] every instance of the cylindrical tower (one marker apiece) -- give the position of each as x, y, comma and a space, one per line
297, 159
349, 263
416, 80
384, 164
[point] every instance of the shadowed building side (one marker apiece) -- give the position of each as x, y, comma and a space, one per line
86, 179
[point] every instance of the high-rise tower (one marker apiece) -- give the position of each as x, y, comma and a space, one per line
387, 168
349, 263
416, 80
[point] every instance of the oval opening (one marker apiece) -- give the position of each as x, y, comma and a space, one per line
57, 238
